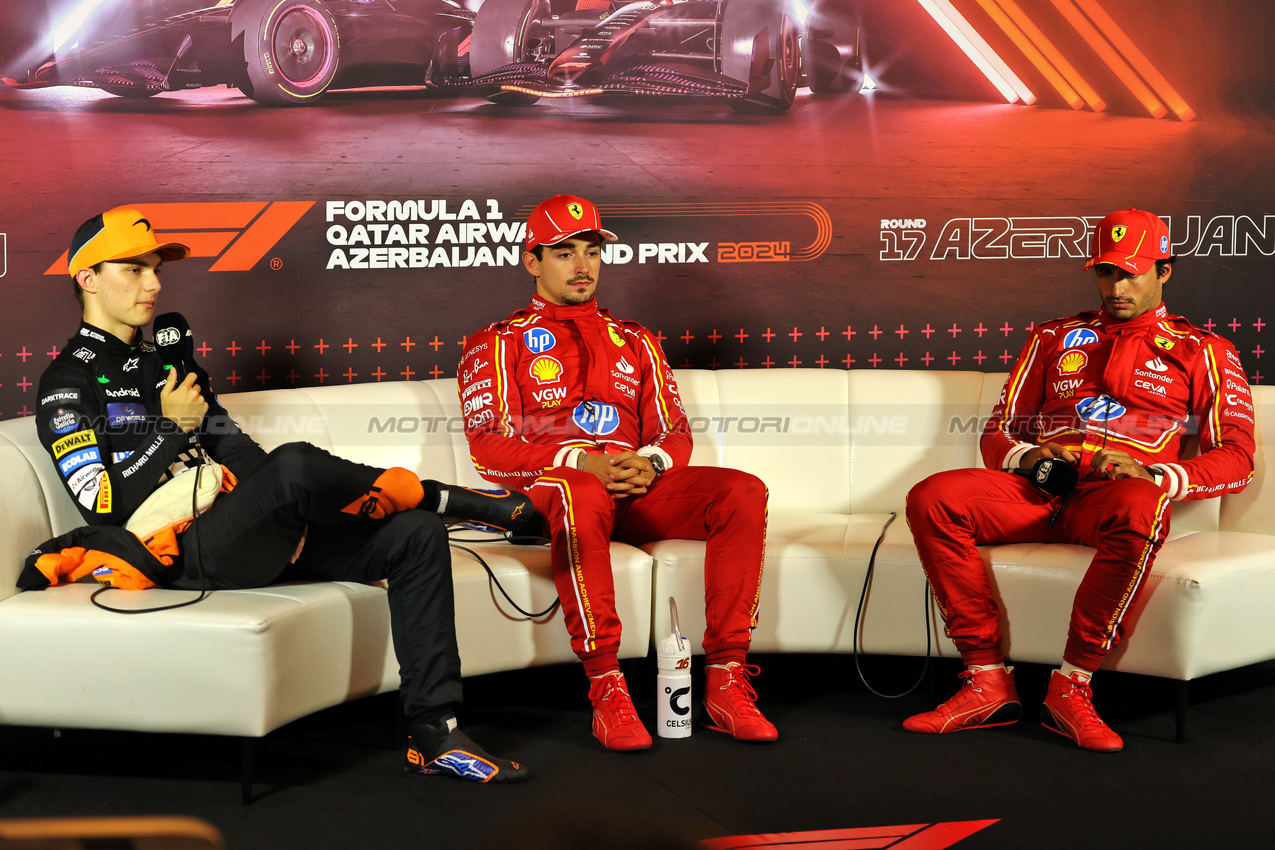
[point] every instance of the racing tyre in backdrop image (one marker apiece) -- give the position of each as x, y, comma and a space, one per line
760, 45
506, 32
291, 48
832, 55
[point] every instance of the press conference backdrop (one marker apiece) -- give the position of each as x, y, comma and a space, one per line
926, 224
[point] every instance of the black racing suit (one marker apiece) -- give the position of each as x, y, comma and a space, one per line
100, 418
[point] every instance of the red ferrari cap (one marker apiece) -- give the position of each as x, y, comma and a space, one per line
562, 217
1130, 239
119, 234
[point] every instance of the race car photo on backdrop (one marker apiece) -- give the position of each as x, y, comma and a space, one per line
750, 54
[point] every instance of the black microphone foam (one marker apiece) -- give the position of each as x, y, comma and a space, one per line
1052, 475
175, 342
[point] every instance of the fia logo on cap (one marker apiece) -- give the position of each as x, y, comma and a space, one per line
577, 211
1118, 232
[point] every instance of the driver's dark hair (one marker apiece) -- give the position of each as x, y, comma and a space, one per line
1161, 265
75, 282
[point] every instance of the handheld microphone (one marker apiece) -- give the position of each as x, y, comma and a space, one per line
175, 342
1052, 475
176, 345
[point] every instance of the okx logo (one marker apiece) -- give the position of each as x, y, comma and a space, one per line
238, 234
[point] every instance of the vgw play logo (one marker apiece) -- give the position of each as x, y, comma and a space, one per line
238, 234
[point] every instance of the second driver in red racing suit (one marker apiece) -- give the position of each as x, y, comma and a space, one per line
1114, 394
580, 410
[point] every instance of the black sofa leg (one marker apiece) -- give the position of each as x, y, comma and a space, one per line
1182, 691
247, 759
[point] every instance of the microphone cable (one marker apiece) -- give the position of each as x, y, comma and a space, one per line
453, 541
858, 615
198, 553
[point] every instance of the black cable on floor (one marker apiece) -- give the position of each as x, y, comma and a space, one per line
858, 615
453, 541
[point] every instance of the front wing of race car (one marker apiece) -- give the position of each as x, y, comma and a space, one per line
532, 79
744, 51
157, 57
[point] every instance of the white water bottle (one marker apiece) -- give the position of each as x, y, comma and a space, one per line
673, 682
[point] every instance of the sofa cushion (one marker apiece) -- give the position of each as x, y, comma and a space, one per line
241, 662
811, 584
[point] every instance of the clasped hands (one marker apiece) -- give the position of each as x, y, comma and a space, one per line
625, 474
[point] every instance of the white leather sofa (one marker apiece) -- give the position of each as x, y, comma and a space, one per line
839, 451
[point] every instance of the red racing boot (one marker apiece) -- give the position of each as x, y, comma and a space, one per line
1068, 710
987, 698
730, 701
615, 721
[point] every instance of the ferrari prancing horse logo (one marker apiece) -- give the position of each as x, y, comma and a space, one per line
577, 211
1118, 232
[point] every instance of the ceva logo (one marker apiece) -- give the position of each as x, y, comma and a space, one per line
237, 233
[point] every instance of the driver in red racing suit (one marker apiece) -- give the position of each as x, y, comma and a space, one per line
579, 410
1112, 393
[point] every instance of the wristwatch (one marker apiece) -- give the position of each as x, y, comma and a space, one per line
1157, 475
657, 463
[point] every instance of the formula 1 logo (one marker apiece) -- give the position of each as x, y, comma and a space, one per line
238, 234
1100, 409
596, 418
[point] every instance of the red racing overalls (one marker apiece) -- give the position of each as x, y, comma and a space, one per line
1088, 383
551, 382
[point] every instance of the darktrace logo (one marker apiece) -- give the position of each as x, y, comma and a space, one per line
238, 234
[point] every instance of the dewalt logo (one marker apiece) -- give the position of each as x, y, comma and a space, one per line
73, 441
237, 234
